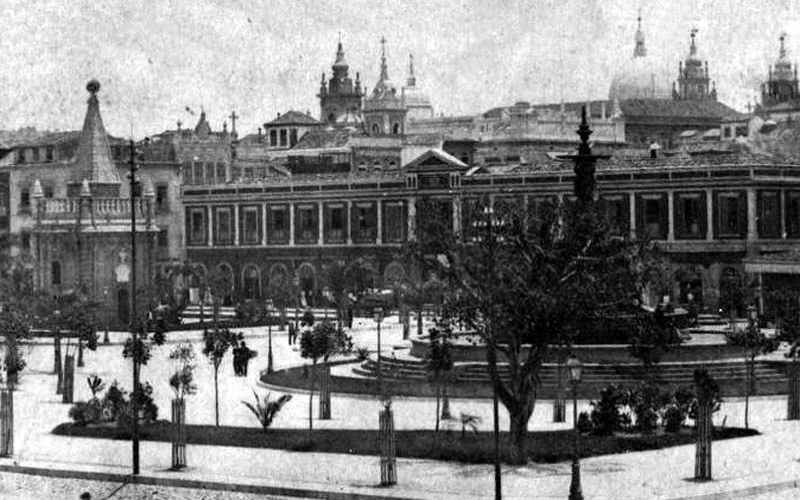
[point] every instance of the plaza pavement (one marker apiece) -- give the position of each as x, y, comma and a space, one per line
755, 466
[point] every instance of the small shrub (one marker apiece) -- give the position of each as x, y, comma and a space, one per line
96, 384
673, 418
648, 402
87, 412
585, 425
362, 353
607, 415
308, 319
265, 410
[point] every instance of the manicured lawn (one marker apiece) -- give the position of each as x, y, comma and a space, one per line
543, 446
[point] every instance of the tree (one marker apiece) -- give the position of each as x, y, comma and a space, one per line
347, 282
321, 342
18, 304
266, 410
753, 343
654, 334
282, 294
521, 286
439, 365
217, 341
182, 379
219, 284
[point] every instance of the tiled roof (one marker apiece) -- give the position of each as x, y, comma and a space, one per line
321, 139
294, 118
94, 161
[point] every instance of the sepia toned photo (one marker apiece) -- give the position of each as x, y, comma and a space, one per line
422, 250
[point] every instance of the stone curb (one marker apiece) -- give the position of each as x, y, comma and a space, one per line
282, 491
745, 492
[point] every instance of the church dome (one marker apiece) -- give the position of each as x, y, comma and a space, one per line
637, 78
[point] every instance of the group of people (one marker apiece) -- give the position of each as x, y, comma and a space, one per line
241, 358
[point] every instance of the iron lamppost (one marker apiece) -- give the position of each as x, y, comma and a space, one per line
269, 337
575, 371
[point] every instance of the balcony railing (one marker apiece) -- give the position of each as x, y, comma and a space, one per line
100, 207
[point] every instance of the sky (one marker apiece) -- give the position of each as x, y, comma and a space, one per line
154, 59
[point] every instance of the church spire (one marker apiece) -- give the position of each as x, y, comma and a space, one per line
384, 69
94, 163
639, 50
412, 80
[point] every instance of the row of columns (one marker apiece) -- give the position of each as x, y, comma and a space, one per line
411, 213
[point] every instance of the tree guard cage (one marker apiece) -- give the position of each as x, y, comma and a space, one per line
702, 464
325, 392
178, 433
6, 423
387, 445
793, 403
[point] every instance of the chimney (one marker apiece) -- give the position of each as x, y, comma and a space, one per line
259, 135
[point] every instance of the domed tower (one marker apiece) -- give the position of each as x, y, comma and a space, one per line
339, 96
416, 103
637, 78
693, 82
384, 113
782, 83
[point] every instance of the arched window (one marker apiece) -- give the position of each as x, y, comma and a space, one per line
251, 282
55, 272
392, 164
376, 165
376, 129
396, 129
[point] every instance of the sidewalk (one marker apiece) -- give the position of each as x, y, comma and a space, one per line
755, 465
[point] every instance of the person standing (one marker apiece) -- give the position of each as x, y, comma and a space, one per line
244, 356
237, 361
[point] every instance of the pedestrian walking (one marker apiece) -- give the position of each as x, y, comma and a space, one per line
244, 356
237, 360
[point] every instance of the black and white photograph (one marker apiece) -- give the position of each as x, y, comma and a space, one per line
409, 250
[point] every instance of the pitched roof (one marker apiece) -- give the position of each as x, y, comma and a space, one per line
321, 139
94, 161
293, 117
437, 159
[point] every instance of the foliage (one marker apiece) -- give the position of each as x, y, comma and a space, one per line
787, 314
266, 410
585, 425
470, 422
753, 342
362, 353
523, 287
608, 415
648, 402
216, 342
654, 335
324, 341
307, 319
115, 407
250, 313
731, 297
674, 417
348, 282
182, 379
95, 384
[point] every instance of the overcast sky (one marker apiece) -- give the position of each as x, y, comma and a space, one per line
155, 58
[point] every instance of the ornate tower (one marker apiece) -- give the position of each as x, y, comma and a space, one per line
416, 103
693, 82
782, 83
639, 50
338, 96
384, 113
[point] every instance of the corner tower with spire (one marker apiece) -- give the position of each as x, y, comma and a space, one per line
693, 83
384, 113
782, 83
339, 97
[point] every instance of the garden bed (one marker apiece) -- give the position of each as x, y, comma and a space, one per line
543, 446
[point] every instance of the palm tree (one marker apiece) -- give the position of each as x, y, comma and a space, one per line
265, 410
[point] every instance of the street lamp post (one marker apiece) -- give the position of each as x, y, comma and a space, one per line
270, 368
575, 369
378, 316
106, 340
134, 319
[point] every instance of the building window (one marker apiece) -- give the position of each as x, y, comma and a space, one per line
251, 225
278, 225
769, 214
251, 282
25, 200
197, 168
35, 154
731, 211
394, 222
48, 191
292, 137
222, 176
209, 179
163, 239
306, 224
335, 223
396, 129
616, 212
651, 214
197, 226
283, 136
223, 226
273, 137
690, 216
376, 129
49, 153
792, 214
364, 222
162, 199
55, 272
21, 156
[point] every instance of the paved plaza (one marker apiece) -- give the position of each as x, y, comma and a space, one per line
755, 466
